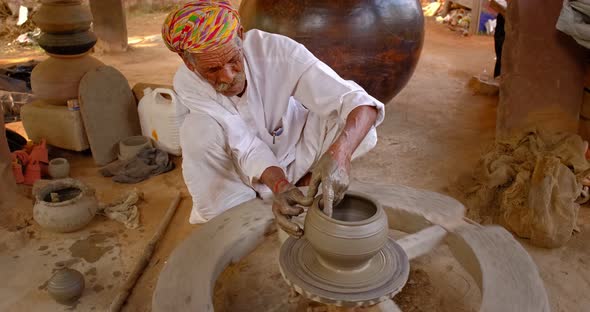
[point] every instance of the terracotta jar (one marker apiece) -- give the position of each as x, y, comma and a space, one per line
59, 168
375, 43
63, 17
64, 205
66, 285
57, 79
356, 231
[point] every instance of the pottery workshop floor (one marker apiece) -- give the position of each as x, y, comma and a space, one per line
433, 130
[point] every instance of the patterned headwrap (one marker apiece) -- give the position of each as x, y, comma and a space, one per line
201, 25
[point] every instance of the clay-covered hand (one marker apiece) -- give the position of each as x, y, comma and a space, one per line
332, 171
286, 204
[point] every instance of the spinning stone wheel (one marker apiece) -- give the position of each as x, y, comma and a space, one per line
505, 273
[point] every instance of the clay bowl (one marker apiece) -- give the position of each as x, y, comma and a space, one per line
349, 239
131, 146
59, 168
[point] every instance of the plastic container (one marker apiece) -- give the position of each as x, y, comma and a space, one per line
160, 120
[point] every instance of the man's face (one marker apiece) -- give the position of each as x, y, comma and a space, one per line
222, 67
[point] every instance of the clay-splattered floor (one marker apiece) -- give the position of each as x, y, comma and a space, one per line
434, 130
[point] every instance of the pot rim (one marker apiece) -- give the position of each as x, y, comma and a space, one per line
58, 161
373, 218
68, 182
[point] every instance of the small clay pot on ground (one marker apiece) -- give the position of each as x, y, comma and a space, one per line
64, 205
348, 240
66, 285
59, 168
131, 146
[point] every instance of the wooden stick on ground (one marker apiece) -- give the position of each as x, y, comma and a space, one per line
144, 260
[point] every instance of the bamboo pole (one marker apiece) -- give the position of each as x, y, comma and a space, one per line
144, 260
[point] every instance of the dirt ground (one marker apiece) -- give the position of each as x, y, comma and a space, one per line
434, 130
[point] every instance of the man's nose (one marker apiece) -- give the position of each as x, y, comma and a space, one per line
226, 75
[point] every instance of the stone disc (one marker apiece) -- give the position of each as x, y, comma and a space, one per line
384, 276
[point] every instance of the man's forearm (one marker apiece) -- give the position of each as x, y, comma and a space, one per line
275, 179
358, 123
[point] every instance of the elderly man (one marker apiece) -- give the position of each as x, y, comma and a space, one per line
262, 114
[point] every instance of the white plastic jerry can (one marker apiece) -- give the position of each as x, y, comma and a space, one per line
159, 119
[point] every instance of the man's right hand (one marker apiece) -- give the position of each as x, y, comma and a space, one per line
285, 206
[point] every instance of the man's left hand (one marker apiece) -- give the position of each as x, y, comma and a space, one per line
332, 171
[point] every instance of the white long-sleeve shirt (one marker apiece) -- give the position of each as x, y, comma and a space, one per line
286, 83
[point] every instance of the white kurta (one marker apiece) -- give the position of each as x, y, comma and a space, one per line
227, 142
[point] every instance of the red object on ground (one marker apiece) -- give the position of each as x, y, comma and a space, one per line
39, 152
17, 171
21, 156
32, 172
19, 160
33, 163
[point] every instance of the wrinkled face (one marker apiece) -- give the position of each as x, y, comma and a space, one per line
222, 67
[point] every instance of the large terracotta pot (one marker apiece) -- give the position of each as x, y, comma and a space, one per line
346, 241
71, 209
63, 17
57, 79
376, 43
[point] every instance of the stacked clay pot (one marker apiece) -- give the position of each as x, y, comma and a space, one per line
66, 37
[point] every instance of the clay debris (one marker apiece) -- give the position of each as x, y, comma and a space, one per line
530, 186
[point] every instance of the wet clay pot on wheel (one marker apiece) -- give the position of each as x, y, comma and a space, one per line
349, 239
66, 285
347, 259
64, 205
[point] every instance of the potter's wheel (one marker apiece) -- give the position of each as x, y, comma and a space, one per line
382, 278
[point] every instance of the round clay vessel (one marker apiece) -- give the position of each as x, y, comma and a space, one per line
74, 207
131, 146
60, 17
348, 240
67, 44
376, 44
66, 285
57, 79
59, 168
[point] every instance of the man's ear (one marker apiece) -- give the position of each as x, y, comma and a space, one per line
187, 62
241, 32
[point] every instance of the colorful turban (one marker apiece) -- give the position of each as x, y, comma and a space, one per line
201, 25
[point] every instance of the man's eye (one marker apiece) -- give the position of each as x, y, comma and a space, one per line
213, 70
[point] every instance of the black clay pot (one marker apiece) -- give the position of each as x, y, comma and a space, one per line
67, 44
